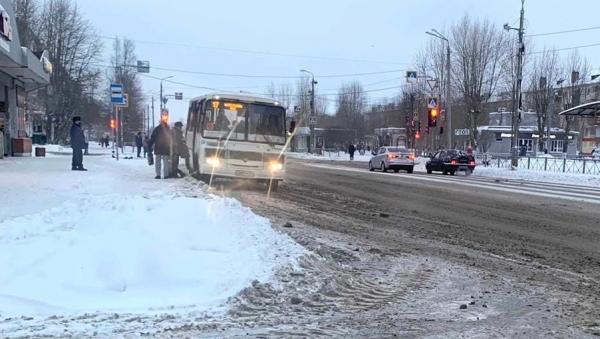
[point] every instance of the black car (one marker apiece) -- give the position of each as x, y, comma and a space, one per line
451, 161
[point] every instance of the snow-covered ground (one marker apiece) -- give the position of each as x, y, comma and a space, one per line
334, 156
552, 177
114, 239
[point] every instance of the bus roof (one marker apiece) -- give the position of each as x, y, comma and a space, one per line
240, 97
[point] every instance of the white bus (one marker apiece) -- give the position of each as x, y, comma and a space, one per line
237, 136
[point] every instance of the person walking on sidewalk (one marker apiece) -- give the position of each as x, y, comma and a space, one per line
77, 144
139, 143
146, 145
160, 143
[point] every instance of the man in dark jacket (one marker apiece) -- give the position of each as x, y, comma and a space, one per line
351, 150
160, 143
139, 142
77, 144
179, 150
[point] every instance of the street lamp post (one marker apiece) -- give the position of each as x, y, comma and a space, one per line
518, 106
161, 90
448, 101
312, 110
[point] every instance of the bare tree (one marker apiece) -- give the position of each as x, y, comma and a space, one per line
431, 64
544, 74
73, 47
351, 104
123, 71
478, 49
577, 69
302, 100
27, 17
283, 93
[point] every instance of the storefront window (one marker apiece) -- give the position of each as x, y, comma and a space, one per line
556, 146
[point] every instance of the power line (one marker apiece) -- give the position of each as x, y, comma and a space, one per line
565, 49
265, 76
247, 51
565, 31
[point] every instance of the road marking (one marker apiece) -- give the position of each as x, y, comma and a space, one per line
528, 190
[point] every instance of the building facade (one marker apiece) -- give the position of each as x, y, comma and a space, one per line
495, 137
22, 72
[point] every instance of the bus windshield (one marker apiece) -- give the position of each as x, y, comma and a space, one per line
244, 122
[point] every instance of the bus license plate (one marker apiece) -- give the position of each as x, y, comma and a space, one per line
245, 174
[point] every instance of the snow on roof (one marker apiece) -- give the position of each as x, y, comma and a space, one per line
523, 129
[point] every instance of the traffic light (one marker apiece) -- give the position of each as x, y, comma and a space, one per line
432, 116
418, 135
113, 123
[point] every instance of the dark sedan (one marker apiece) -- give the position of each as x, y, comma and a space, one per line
451, 161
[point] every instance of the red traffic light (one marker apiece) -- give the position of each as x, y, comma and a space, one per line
113, 124
417, 135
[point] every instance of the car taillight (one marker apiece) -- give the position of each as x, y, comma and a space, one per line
453, 162
391, 155
471, 163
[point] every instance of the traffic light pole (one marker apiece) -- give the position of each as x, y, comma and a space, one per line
115, 134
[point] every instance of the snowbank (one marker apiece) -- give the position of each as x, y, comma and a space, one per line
114, 243
333, 156
525, 174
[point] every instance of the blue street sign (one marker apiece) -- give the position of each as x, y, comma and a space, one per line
116, 94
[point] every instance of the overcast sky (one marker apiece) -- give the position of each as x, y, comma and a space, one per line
278, 38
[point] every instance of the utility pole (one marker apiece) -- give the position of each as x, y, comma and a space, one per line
448, 108
153, 121
312, 111
161, 96
518, 96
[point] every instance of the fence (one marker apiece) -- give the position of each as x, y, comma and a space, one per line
576, 166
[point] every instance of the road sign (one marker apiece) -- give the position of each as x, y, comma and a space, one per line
143, 66
432, 103
178, 96
312, 120
411, 75
462, 131
432, 83
296, 109
125, 101
116, 94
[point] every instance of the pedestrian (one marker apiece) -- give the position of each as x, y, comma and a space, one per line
139, 142
179, 149
351, 150
77, 144
145, 145
160, 143
596, 153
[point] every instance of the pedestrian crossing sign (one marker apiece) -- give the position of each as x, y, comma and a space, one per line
432, 103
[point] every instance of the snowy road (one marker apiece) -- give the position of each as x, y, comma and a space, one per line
533, 246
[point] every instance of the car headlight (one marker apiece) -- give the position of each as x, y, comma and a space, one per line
275, 166
213, 161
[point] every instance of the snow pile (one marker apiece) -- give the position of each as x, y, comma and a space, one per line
135, 254
332, 156
525, 174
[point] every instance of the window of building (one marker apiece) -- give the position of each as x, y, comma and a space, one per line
498, 136
527, 142
556, 146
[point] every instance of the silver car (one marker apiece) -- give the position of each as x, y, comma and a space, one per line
392, 158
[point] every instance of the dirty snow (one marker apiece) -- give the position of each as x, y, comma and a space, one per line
116, 240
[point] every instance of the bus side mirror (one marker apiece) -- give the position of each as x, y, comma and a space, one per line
292, 126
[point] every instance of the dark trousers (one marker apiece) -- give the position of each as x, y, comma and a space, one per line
139, 150
77, 161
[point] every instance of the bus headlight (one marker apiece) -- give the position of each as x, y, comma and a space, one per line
213, 161
275, 166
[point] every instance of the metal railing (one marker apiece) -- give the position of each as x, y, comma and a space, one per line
546, 164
